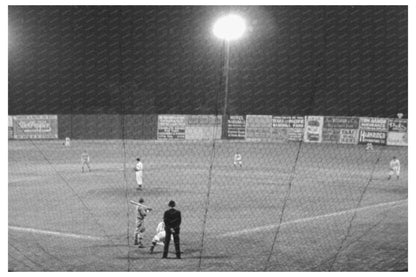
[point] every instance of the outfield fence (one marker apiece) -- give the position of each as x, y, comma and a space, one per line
312, 129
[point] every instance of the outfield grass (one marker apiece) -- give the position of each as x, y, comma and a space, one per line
63, 220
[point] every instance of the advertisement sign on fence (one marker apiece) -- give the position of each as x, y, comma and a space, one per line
398, 125
340, 130
288, 128
280, 134
171, 127
288, 122
35, 126
332, 122
373, 124
259, 127
331, 135
348, 136
374, 137
397, 138
203, 127
236, 127
204, 120
397, 134
295, 134
313, 128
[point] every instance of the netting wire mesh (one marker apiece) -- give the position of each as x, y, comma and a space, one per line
110, 72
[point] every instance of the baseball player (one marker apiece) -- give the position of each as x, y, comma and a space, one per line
67, 141
238, 160
394, 168
85, 160
159, 238
139, 174
138, 232
369, 147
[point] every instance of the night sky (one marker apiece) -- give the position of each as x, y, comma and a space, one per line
293, 60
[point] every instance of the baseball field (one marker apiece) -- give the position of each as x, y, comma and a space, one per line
291, 207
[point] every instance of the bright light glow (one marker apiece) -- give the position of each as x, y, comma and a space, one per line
229, 27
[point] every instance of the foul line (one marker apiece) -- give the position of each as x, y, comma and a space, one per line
301, 220
44, 232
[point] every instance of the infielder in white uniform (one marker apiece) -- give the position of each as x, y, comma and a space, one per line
159, 238
238, 160
394, 168
139, 174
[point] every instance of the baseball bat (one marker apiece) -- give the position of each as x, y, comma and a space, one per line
138, 204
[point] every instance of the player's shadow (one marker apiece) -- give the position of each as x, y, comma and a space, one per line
208, 257
392, 188
143, 253
110, 245
171, 256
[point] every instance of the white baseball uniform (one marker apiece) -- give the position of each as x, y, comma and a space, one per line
139, 173
394, 167
159, 238
238, 159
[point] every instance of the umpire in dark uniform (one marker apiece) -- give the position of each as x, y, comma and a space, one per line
172, 219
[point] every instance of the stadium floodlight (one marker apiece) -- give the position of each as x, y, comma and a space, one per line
228, 28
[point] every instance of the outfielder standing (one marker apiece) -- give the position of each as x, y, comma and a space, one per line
139, 174
238, 160
85, 160
394, 168
369, 147
141, 214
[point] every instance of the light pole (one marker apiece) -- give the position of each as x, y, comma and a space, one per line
227, 28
